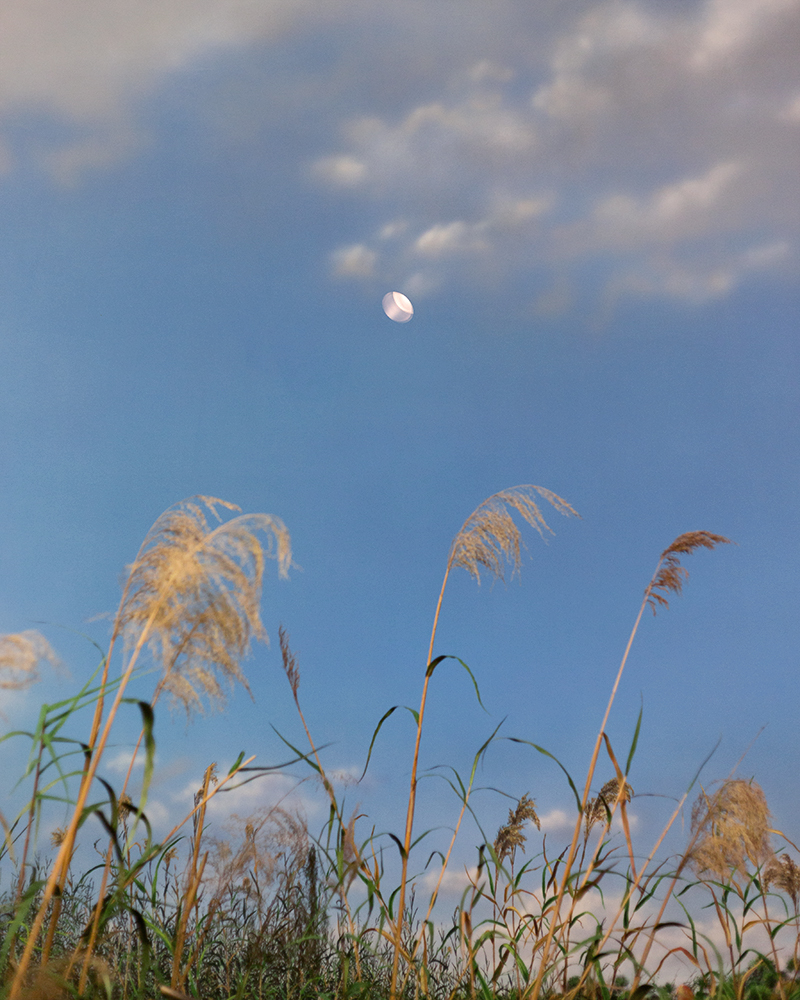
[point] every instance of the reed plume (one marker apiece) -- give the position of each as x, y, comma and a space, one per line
732, 828
512, 835
194, 593
21, 653
668, 578
671, 576
599, 809
785, 874
488, 539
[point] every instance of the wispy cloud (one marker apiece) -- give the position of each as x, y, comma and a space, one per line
621, 138
652, 142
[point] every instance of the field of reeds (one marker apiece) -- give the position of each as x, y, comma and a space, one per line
289, 912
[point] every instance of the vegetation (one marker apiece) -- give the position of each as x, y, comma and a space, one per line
274, 911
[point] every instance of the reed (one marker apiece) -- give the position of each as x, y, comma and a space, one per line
272, 910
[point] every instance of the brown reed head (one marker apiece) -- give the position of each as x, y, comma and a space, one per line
289, 661
193, 594
785, 874
490, 538
598, 809
731, 828
512, 835
671, 576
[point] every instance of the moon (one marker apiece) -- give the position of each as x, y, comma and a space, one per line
397, 307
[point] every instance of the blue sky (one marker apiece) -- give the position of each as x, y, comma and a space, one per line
593, 207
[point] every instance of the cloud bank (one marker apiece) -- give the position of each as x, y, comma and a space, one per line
655, 146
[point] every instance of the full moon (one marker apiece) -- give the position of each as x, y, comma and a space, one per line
397, 307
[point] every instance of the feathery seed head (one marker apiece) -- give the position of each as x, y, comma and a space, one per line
785, 874
489, 537
671, 576
598, 810
193, 595
20, 656
289, 660
732, 828
511, 836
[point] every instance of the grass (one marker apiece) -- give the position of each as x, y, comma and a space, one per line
276, 911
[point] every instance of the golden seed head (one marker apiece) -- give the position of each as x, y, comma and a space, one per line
732, 829
490, 537
785, 874
20, 656
193, 595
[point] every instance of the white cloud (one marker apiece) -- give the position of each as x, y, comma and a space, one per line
85, 58
420, 284
392, 229
356, 261
557, 821
730, 26
627, 154
512, 213
485, 71
87, 62
340, 171
450, 238
120, 761
791, 111
68, 164
454, 881
481, 122
680, 210
583, 134
699, 281
569, 97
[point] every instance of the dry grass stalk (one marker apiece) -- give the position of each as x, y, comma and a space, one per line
668, 578
487, 540
289, 661
269, 834
733, 829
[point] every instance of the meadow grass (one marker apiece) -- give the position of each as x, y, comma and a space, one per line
278, 911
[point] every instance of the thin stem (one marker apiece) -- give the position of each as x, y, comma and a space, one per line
535, 990
412, 796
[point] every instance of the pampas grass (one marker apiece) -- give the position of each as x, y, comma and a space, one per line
487, 539
270, 911
192, 595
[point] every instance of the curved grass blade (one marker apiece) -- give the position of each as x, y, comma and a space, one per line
516, 739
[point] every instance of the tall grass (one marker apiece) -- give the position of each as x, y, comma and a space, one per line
272, 910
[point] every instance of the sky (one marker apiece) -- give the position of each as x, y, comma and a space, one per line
593, 207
